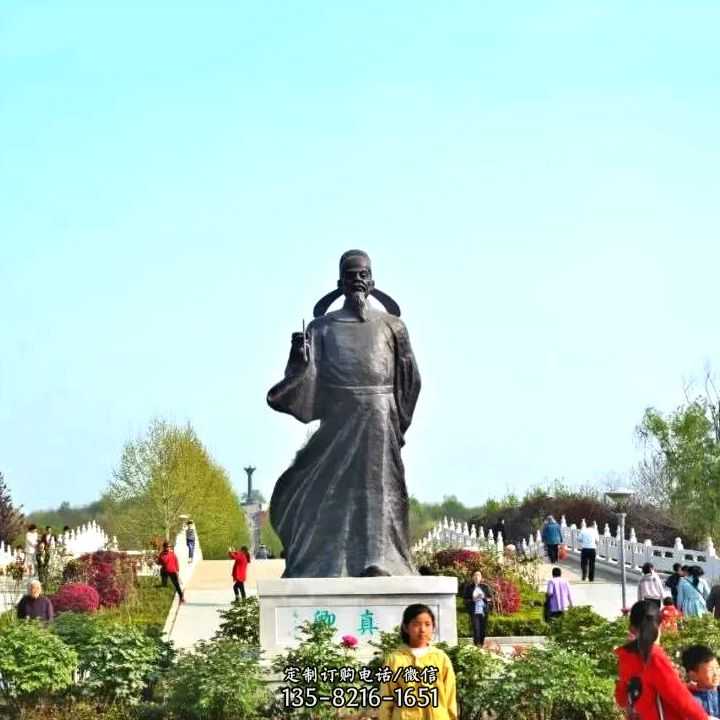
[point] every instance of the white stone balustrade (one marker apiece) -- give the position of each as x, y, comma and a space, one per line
452, 534
636, 553
456, 534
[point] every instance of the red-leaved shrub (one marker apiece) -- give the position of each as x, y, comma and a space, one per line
448, 558
112, 574
76, 597
506, 596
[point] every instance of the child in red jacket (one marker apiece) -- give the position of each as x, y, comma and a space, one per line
170, 566
669, 616
239, 571
648, 687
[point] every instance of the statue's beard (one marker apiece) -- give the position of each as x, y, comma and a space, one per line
357, 303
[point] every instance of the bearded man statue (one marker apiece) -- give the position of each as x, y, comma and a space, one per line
341, 509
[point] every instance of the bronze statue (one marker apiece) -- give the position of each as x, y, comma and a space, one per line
341, 509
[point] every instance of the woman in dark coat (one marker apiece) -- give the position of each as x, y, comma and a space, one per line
478, 600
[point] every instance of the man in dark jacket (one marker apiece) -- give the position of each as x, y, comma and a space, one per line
673, 580
478, 600
713, 601
34, 605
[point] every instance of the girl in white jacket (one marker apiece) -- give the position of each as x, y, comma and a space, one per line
651, 586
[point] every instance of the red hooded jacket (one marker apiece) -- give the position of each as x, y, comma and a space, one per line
659, 681
168, 560
239, 571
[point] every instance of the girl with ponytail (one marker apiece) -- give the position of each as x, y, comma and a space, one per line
648, 687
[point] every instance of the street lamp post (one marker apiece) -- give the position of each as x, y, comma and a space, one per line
620, 496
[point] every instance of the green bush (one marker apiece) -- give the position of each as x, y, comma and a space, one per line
315, 651
387, 643
241, 621
526, 621
553, 684
34, 663
75, 630
584, 632
116, 662
476, 671
219, 680
691, 631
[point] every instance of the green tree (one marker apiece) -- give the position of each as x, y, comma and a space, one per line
269, 538
688, 444
166, 473
11, 518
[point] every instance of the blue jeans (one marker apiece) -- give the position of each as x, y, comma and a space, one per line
191, 548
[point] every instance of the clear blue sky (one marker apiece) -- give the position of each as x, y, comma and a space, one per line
537, 184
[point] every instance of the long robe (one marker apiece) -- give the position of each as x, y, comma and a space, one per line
342, 506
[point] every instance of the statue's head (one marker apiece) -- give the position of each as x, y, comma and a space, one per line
357, 284
356, 281
355, 273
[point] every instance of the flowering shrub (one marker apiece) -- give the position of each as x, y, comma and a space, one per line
506, 594
112, 574
349, 641
448, 558
15, 570
76, 597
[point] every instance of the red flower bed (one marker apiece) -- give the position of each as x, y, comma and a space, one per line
448, 558
507, 596
76, 597
112, 574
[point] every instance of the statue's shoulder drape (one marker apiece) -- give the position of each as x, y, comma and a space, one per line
407, 375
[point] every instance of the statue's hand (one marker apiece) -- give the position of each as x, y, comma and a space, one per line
299, 347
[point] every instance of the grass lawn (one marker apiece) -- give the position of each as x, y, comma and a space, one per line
149, 606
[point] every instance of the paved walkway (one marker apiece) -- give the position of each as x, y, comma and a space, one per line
210, 590
604, 594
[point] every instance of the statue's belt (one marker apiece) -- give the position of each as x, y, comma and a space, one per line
362, 389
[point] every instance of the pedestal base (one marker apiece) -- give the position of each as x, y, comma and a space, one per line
361, 607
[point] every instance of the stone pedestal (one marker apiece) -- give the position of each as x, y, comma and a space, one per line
355, 606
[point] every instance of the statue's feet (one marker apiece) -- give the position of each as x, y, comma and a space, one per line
374, 571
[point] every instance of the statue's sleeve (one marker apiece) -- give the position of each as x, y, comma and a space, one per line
407, 376
297, 393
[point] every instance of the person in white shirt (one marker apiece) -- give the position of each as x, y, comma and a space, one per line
588, 538
651, 586
31, 541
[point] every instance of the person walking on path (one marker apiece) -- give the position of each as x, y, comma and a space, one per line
190, 539
558, 595
693, 592
418, 669
34, 605
551, 536
478, 600
674, 579
588, 538
168, 562
262, 553
648, 686
651, 586
239, 570
31, 541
